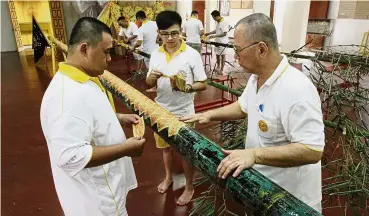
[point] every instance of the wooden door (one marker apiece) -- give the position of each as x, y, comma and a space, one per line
200, 7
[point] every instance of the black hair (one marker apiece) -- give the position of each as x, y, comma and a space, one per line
88, 29
260, 28
122, 18
194, 12
166, 19
215, 13
141, 14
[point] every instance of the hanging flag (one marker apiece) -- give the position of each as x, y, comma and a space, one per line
39, 41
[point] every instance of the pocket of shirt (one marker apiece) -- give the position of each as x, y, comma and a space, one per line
268, 128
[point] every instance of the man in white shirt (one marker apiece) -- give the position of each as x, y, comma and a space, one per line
220, 35
148, 37
174, 57
89, 153
148, 33
285, 133
129, 34
193, 30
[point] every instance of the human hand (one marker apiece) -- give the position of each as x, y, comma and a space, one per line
155, 75
128, 119
134, 146
173, 83
237, 160
202, 118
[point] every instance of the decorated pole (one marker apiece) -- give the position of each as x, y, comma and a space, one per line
63, 47
134, 50
255, 191
217, 44
224, 88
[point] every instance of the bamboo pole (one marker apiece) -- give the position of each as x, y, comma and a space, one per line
217, 44
134, 50
63, 47
255, 191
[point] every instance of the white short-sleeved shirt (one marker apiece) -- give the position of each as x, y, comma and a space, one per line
286, 109
192, 28
147, 34
221, 27
130, 31
186, 61
76, 114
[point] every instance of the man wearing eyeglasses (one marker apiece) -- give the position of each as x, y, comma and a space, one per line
220, 35
174, 57
285, 134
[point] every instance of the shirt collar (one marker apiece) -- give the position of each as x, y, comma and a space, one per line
79, 76
182, 48
221, 20
73, 73
278, 72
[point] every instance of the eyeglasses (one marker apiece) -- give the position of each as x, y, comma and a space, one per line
173, 34
239, 50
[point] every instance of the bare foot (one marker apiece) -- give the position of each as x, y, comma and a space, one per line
186, 196
163, 187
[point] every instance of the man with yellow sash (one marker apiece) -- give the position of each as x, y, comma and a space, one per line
90, 156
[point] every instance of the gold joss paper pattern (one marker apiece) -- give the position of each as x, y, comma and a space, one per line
179, 82
157, 114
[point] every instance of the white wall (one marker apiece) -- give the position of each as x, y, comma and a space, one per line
7, 35
291, 19
184, 8
237, 15
333, 9
279, 8
262, 6
348, 31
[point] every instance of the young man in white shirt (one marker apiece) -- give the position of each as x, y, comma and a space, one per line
148, 37
285, 133
175, 57
129, 34
220, 35
89, 153
193, 30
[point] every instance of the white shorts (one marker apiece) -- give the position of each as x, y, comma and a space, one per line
220, 50
147, 62
137, 56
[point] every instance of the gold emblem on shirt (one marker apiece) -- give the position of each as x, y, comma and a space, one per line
263, 126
